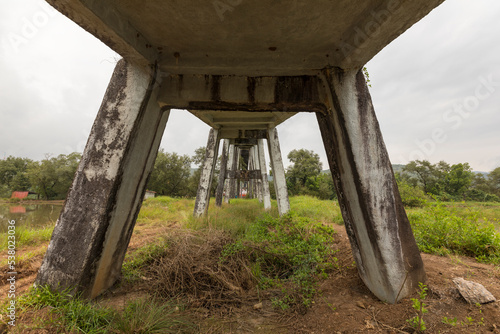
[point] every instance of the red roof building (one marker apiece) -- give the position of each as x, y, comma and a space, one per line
20, 194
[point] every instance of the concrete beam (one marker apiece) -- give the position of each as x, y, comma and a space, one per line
231, 93
90, 239
278, 172
207, 172
383, 245
105, 21
247, 38
240, 133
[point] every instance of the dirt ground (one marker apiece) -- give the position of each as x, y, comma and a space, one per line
342, 305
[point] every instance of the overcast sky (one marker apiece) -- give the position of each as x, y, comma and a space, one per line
436, 89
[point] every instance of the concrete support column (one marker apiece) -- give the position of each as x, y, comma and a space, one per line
382, 242
90, 238
222, 174
228, 182
207, 173
258, 182
252, 184
235, 185
266, 195
278, 172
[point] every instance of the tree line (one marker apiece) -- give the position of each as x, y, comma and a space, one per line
447, 182
172, 175
50, 178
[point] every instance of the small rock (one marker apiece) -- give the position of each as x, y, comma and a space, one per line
473, 292
257, 306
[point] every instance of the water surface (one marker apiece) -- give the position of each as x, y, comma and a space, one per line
33, 215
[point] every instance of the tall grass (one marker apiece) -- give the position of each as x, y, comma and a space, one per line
71, 314
234, 218
324, 211
165, 209
28, 236
438, 229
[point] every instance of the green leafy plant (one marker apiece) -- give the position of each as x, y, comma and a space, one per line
452, 322
76, 314
297, 252
417, 322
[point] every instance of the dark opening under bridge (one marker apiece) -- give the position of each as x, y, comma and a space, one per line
243, 67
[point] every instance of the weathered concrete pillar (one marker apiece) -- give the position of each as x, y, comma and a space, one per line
266, 195
90, 238
207, 173
222, 175
382, 242
258, 182
228, 182
252, 184
235, 186
278, 172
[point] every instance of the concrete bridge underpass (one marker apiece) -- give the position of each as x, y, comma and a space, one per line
243, 67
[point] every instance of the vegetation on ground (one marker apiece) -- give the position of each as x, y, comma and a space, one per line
239, 249
438, 229
65, 313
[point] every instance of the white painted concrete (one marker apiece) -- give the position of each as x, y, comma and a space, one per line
207, 172
278, 172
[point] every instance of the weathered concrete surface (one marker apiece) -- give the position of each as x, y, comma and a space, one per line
382, 242
255, 165
207, 173
220, 100
222, 175
266, 195
257, 37
90, 239
234, 186
228, 184
278, 172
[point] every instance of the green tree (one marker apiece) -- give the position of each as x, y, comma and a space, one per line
494, 181
458, 179
52, 177
170, 174
13, 175
326, 187
423, 173
303, 173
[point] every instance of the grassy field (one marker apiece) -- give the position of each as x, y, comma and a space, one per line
238, 247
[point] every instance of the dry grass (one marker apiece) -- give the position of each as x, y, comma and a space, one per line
192, 267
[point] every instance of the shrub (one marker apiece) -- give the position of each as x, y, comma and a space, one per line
438, 230
411, 196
